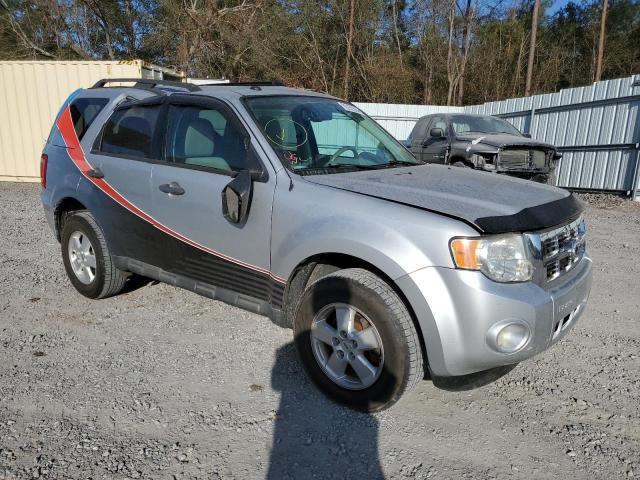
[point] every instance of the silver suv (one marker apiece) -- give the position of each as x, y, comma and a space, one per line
296, 205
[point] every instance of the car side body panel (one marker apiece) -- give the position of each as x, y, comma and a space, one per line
310, 219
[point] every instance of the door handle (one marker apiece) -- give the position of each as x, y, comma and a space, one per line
172, 188
95, 173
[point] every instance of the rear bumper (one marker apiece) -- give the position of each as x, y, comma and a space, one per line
457, 309
47, 204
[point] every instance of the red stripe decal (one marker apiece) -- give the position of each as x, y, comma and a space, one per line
65, 125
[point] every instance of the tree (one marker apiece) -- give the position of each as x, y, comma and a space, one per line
404, 51
532, 46
603, 22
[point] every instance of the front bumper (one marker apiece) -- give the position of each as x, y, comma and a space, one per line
456, 309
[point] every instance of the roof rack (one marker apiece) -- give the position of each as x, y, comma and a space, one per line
148, 83
274, 83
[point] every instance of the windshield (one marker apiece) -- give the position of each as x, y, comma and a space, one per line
309, 133
473, 124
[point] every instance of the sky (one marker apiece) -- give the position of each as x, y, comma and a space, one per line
555, 6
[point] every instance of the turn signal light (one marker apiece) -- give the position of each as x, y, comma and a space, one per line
464, 252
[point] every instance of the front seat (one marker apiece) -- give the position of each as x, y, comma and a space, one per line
199, 146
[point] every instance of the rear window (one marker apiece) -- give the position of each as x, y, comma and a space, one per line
130, 132
83, 113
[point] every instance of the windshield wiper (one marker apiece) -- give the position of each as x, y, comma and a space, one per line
349, 165
403, 162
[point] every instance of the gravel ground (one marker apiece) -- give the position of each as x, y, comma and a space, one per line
161, 383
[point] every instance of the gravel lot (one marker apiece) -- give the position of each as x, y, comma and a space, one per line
161, 383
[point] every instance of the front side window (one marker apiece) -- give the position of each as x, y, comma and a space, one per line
311, 133
478, 124
204, 137
439, 122
130, 132
83, 113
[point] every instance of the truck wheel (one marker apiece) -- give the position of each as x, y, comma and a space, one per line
87, 259
460, 164
357, 341
540, 178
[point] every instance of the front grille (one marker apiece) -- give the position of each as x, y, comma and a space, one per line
562, 248
522, 159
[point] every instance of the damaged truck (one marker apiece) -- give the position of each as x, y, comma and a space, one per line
484, 143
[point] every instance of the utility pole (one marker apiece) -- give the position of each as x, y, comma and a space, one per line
603, 22
532, 47
347, 65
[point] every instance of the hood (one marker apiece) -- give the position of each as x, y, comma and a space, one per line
499, 140
491, 203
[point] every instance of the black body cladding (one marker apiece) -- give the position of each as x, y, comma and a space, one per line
180, 263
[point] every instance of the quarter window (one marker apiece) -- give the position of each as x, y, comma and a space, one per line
130, 131
83, 113
204, 137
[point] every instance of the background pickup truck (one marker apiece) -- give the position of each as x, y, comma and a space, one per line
484, 143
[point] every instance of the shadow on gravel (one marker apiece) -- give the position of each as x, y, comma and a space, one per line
314, 437
134, 282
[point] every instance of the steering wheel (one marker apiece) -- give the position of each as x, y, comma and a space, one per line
340, 151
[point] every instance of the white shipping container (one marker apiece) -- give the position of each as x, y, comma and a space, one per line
31, 93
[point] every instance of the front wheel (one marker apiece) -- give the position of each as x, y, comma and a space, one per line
357, 341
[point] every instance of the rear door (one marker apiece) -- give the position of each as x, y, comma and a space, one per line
418, 136
122, 157
205, 146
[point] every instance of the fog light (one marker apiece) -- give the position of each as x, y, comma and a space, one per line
508, 337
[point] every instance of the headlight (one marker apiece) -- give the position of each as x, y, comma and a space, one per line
481, 162
502, 258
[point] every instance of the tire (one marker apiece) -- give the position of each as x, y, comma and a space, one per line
103, 280
398, 363
460, 164
540, 178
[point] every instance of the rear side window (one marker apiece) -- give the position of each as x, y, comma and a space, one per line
130, 131
83, 113
419, 132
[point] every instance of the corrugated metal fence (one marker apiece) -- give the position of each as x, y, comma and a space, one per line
597, 129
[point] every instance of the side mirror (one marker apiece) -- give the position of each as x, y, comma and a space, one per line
436, 132
527, 135
236, 197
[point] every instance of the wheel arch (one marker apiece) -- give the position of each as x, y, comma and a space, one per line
316, 266
456, 157
62, 209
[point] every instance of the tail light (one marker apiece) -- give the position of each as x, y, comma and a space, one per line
44, 158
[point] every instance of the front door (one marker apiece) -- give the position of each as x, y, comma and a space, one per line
434, 148
205, 146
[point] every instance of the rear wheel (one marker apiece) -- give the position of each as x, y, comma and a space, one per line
87, 259
357, 341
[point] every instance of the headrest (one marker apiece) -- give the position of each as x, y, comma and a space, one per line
199, 139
